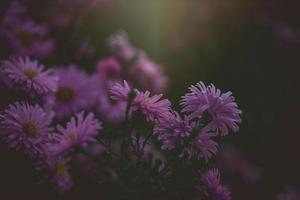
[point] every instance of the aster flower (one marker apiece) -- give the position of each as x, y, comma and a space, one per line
78, 132
147, 74
76, 91
108, 68
172, 129
175, 131
61, 179
153, 107
119, 92
211, 181
108, 71
29, 39
143, 72
121, 47
28, 75
55, 169
202, 146
234, 163
23, 36
221, 107
111, 110
23, 126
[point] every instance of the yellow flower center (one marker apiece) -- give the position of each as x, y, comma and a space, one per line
145, 98
60, 169
71, 136
30, 130
65, 94
31, 74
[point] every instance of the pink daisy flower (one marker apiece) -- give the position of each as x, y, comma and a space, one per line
28, 75
76, 91
153, 107
222, 107
211, 181
27, 127
23, 36
79, 131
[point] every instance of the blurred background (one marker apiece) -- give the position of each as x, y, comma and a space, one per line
251, 48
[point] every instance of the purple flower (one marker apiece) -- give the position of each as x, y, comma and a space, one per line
78, 132
222, 108
108, 68
233, 162
61, 179
23, 35
27, 127
108, 71
111, 110
211, 181
203, 146
148, 74
172, 129
28, 75
56, 170
121, 47
153, 107
143, 72
76, 91
119, 92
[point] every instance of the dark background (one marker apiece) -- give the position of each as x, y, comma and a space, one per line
235, 44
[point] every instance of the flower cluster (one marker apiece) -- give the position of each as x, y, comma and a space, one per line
108, 119
211, 181
24, 37
221, 107
142, 71
208, 113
